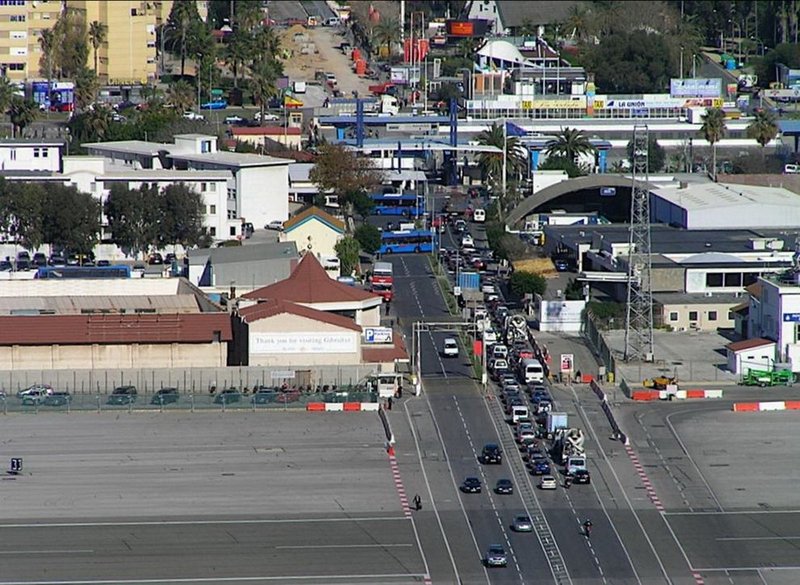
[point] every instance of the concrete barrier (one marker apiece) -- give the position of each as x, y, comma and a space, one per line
315, 407
334, 407
645, 395
352, 406
607, 409
766, 406
674, 394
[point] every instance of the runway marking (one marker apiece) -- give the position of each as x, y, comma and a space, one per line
220, 579
758, 538
200, 522
698, 578
648, 486
372, 545
47, 552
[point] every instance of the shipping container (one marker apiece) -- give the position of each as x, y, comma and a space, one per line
469, 281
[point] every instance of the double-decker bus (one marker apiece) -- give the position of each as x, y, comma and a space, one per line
382, 282
410, 205
116, 271
406, 242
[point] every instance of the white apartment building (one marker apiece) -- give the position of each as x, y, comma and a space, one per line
257, 185
31, 155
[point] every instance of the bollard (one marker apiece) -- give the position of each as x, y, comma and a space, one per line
191, 402
98, 403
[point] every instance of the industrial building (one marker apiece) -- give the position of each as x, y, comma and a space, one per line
118, 323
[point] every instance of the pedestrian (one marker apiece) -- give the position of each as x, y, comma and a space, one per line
389, 402
417, 503
388, 306
400, 391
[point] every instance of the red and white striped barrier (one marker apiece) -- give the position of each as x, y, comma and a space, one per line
766, 406
342, 406
675, 394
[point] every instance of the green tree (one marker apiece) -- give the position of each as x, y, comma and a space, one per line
238, 52
98, 32
523, 282
263, 83
22, 112
387, 34
7, 93
133, 218
369, 237
347, 250
341, 171
181, 28
362, 204
562, 163
21, 210
182, 213
573, 291
713, 130
632, 62
71, 219
571, 144
180, 96
656, 155
491, 163
69, 43
47, 43
86, 87
763, 128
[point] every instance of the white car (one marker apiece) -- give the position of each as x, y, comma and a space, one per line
234, 120
450, 347
548, 482
490, 336
193, 116
267, 117
37, 392
275, 225
467, 242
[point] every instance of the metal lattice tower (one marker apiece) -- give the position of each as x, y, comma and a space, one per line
639, 319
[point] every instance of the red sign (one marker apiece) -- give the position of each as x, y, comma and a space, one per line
457, 28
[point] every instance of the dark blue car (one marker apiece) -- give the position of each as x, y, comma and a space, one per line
540, 467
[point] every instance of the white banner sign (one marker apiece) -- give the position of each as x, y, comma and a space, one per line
303, 342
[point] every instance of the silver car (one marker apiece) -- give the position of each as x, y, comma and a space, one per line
496, 556
522, 524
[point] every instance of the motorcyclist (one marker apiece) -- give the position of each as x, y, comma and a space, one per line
587, 527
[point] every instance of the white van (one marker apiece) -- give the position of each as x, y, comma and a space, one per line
531, 371
574, 464
518, 413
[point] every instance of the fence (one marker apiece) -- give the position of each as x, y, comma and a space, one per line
187, 380
595, 338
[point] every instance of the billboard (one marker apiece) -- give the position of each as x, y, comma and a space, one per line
467, 28
695, 87
303, 343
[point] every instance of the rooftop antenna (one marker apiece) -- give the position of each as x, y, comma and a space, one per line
639, 318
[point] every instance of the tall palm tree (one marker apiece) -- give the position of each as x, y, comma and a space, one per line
7, 93
491, 163
763, 128
180, 95
47, 41
570, 144
86, 88
713, 130
181, 29
387, 34
263, 83
97, 36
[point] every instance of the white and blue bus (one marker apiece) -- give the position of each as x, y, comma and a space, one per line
406, 242
407, 204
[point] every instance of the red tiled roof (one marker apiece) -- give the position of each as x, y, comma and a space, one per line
748, 344
309, 283
87, 329
274, 307
265, 131
384, 354
313, 211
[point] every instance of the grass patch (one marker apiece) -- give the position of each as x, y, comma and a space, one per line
445, 287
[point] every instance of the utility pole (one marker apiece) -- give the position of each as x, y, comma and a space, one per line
639, 318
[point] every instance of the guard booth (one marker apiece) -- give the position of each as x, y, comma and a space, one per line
387, 384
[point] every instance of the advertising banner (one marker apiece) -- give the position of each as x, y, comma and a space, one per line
696, 87
303, 342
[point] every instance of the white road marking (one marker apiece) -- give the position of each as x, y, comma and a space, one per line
759, 538
315, 546
373, 577
202, 522
47, 552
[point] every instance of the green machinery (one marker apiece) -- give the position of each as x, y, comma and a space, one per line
768, 378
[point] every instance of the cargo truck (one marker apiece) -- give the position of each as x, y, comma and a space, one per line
556, 421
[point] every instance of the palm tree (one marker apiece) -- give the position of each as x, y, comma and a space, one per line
763, 128
570, 144
713, 130
577, 23
86, 87
180, 96
97, 36
7, 93
47, 41
387, 34
97, 121
181, 28
263, 83
238, 51
22, 114
491, 163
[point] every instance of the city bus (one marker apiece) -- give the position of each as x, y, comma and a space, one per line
410, 204
406, 242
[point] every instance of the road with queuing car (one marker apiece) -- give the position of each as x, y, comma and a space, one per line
468, 418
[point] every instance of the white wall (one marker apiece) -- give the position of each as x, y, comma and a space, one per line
33, 157
262, 194
758, 358
560, 315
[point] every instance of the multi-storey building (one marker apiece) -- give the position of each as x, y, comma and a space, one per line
21, 25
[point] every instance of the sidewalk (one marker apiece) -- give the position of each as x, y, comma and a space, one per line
558, 344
